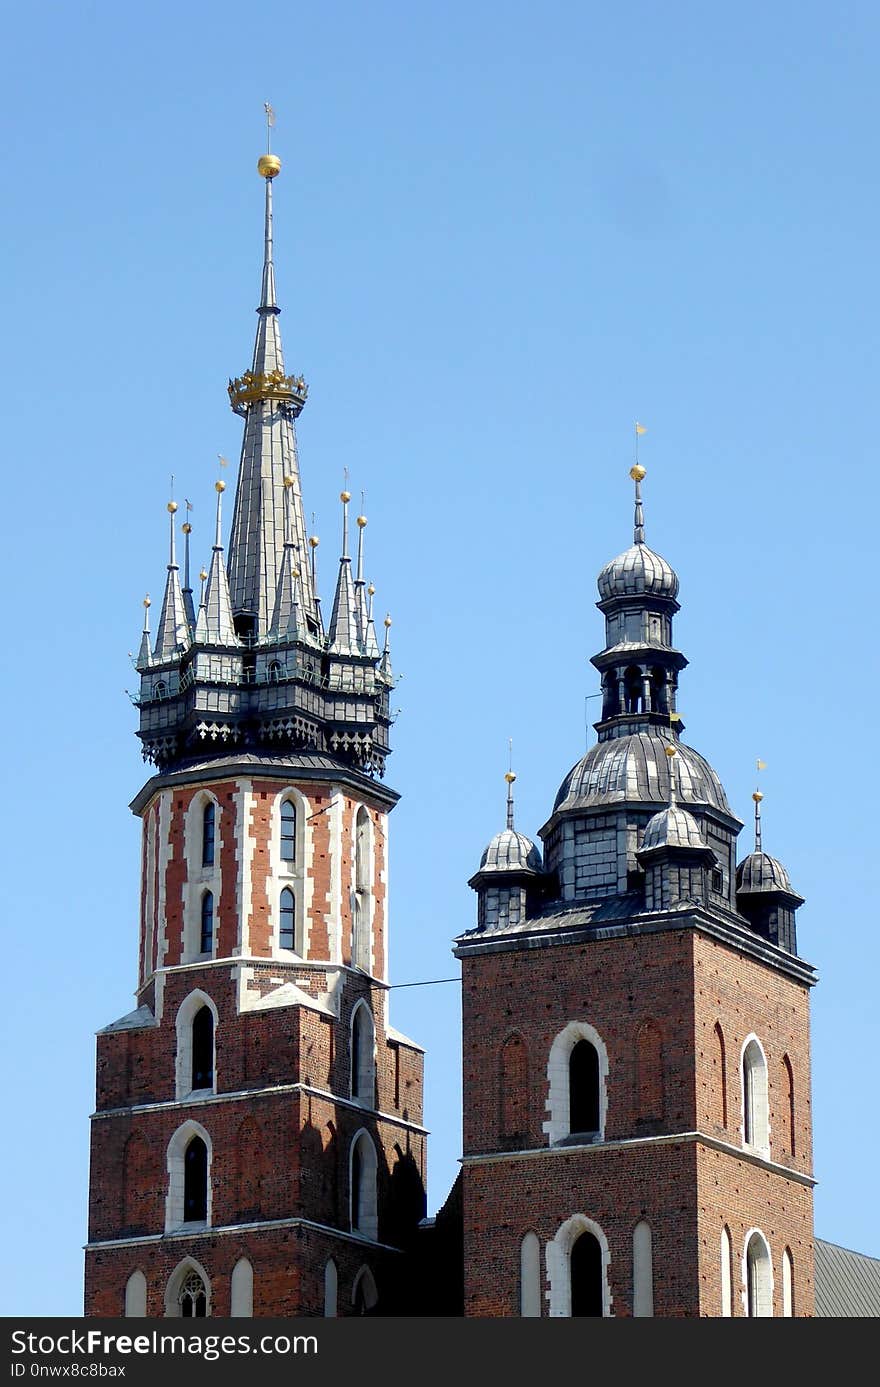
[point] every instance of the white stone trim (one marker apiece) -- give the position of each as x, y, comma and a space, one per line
241, 1290
149, 902
557, 1126
163, 848
643, 1271
174, 1209
383, 860
559, 1265
198, 879
334, 916
236, 1229
765, 1274
726, 1273
787, 1284
176, 1280
245, 847
530, 1276
136, 1296
364, 1218
183, 1058
761, 1098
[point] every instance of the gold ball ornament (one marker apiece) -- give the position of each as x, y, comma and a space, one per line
288, 481
187, 528
345, 496
147, 602
361, 520
314, 541
671, 750
219, 487
757, 796
203, 575
268, 166
638, 473
510, 777
387, 621
371, 590
172, 507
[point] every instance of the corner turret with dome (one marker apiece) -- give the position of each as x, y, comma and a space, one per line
510, 874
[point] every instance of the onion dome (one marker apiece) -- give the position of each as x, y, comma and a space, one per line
672, 827
636, 768
638, 571
510, 851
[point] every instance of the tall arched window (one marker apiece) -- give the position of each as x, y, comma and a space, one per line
363, 1065
241, 1291
288, 831
585, 1262
360, 938
206, 933
195, 1182
583, 1089
718, 1094
530, 1277
788, 1092
331, 1289
209, 824
759, 1277
274, 672
787, 1284
364, 1205
136, 1296
362, 851
514, 1087
203, 1049
643, 1271
287, 920
756, 1118
726, 1274
364, 1296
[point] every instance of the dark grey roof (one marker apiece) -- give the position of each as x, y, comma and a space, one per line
638, 570
673, 827
510, 851
761, 872
636, 767
847, 1283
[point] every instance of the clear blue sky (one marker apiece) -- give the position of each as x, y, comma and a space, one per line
504, 232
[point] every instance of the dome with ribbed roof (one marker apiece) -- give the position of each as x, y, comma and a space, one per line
510, 851
638, 571
761, 872
636, 767
672, 827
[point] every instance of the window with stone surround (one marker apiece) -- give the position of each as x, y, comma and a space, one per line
363, 1057
209, 822
206, 924
195, 1061
577, 1096
755, 1105
362, 1184
758, 1277
188, 1293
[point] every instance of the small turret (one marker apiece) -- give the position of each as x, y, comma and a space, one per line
173, 633
510, 869
674, 856
764, 893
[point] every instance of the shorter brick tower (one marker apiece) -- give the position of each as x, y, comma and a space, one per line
636, 1063
257, 1145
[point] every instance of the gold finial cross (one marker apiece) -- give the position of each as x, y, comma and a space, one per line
270, 121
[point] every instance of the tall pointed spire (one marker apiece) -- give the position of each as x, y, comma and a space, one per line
215, 625
145, 655
287, 613
269, 401
344, 633
371, 645
173, 633
361, 607
385, 662
187, 587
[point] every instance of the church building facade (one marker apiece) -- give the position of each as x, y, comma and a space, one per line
636, 1066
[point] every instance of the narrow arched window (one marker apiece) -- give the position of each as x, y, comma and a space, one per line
160, 689
195, 1182
209, 822
136, 1296
530, 1277
206, 938
787, 1284
585, 1263
726, 1274
788, 1091
362, 851
718, 1094
192, 1298
288, 831
360, 937
363, 1072
583, 1088
241, 1291
756, 1121
331, 1289
287, 928
274, 672
633, 690
364, 1296
643, 1271
364, 1208
759, 1278
514, 1087
203, 1049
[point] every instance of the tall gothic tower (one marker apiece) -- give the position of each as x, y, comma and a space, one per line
257, 1145
637, 1134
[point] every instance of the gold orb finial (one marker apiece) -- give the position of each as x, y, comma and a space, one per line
510, 776
671, 750
387, 621
345, 496
296, 573
172, 507
361, 520
371, 590
314, 541
638, 473
757, 796
268, 166
147, 602
187, 528
203, 575
219, 486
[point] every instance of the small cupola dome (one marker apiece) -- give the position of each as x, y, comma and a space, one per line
510, 851
761, 872
672, 827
